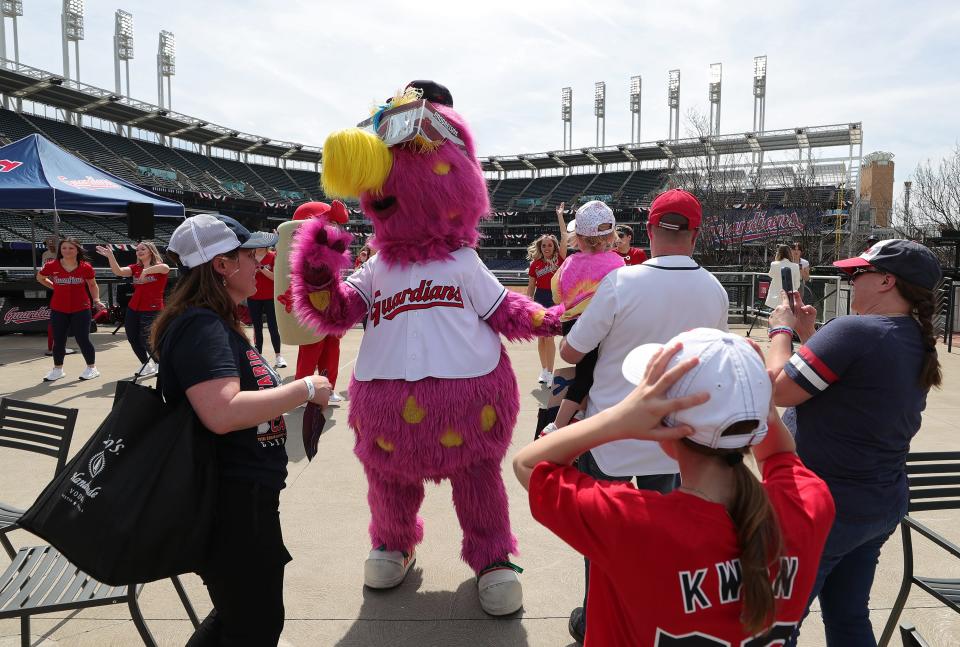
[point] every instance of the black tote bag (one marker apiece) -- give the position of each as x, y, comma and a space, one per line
136, 503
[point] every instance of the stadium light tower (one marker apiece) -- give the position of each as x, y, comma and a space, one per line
673, 102
600, 111
759, 92
566, 114
10, 9
71, 24
636, 85
716, 76
122, 48
166, 67
759, 98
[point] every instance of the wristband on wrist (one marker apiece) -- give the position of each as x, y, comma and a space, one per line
311, 389
779, 330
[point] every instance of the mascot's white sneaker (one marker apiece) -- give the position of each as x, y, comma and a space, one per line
499, 589
385, 569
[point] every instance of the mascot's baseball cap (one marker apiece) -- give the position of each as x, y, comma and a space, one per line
433, 92
336, 212
199, 238
679, 202
594, 218
730, 370
906, 259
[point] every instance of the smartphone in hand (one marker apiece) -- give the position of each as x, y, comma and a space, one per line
786, 280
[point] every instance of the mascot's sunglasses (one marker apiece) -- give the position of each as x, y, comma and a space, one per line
415, 121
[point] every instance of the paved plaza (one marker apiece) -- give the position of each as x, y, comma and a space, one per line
324, 515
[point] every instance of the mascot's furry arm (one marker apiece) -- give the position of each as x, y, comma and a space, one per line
320, 297
521, 319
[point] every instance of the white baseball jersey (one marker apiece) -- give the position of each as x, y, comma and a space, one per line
428, 319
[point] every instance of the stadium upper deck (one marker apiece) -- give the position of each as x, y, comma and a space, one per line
210, 167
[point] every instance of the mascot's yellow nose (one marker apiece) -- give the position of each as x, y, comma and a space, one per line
354, 161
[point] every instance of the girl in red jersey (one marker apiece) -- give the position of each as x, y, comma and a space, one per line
73, 283
722, 560
149, 275
546, 254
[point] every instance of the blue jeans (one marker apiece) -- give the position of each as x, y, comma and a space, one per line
662, 483
845, 578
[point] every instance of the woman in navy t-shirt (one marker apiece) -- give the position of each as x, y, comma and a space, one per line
206, 358
859, 386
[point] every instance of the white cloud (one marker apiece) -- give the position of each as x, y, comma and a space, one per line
296, 70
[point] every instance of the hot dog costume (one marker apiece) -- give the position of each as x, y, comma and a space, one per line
433, 394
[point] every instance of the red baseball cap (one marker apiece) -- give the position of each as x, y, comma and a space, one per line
679, 202
336, 212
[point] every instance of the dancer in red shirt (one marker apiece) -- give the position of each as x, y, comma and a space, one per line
149, 276
546, 254
73, 282
722, 560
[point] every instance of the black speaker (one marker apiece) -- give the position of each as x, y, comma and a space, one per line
140, 220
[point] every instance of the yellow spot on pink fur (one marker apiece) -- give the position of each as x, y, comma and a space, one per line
412, 412
441, 168
320, 300
384, 444
451, 439
453, 215
537, 317
488, 418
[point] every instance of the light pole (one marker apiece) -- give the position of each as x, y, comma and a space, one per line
636, 85
122, 48
166, 67
600, 111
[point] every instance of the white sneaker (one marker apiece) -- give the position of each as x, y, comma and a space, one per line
385, 569
336, 397
90, 373
150, 369
543, 376
54, 374
549, 379
500, 590
549, 429
280, 362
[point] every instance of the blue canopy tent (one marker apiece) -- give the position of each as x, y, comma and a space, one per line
38, 175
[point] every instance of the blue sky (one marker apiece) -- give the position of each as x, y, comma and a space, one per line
295, 71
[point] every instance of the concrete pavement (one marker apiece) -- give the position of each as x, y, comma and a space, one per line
324, 515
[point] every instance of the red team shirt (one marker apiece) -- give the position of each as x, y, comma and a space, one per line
265, 285
70, 288
543, 272
148, 291
664, 569
635, 256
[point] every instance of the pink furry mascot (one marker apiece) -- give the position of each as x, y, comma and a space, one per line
433, 394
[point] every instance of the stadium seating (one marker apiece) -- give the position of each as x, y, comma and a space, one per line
263, 195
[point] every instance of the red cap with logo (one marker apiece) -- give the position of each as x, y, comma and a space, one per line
336, 212
679, 202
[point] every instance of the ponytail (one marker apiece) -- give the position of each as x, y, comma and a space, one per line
760, 541
922, 308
